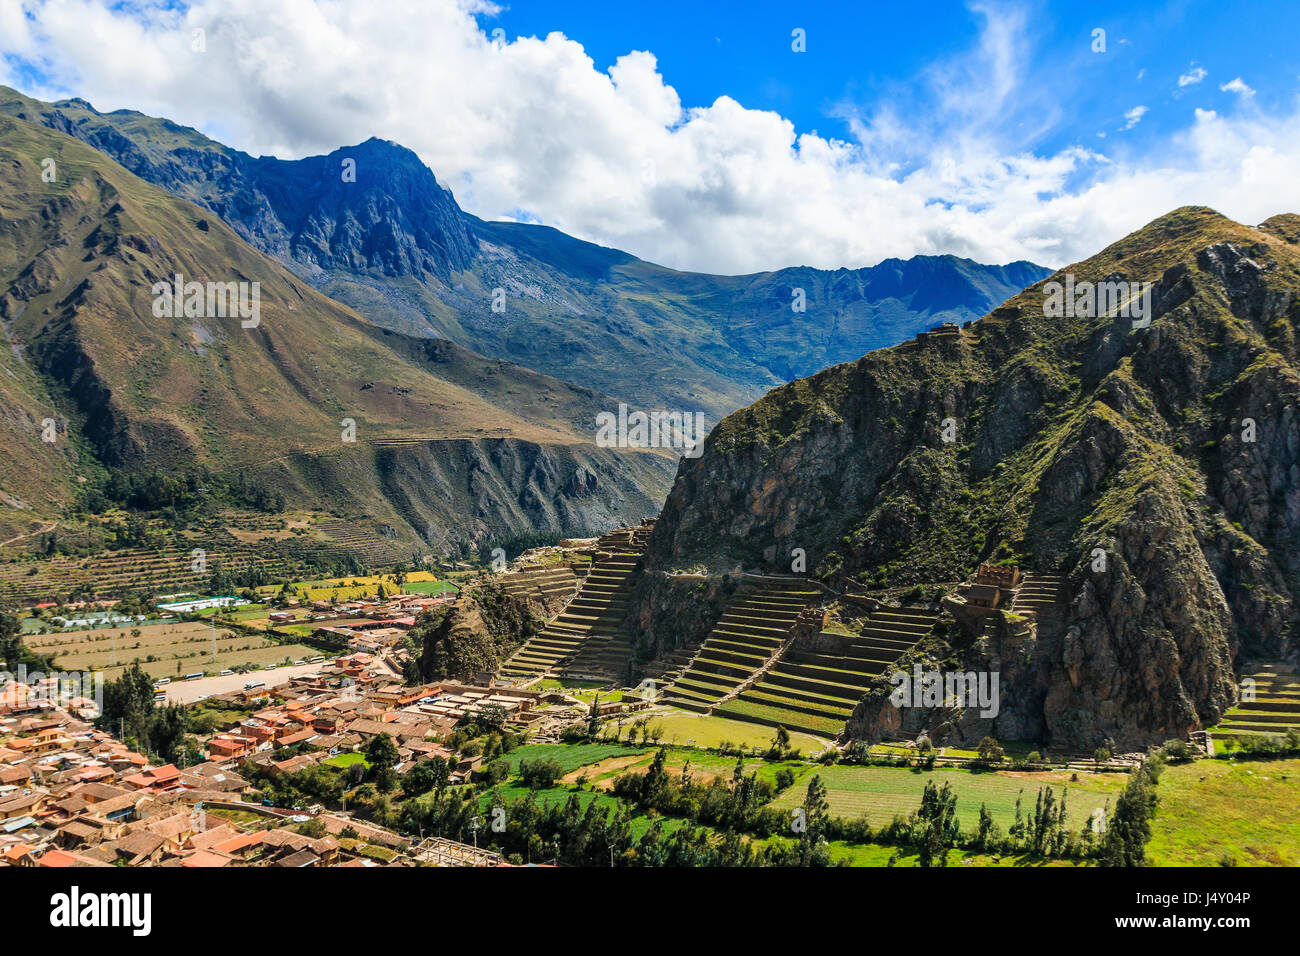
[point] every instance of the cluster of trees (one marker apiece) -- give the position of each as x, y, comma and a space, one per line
130, 712
1129, 827
177, 492
599, 835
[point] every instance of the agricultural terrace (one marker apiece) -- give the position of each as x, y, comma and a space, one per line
162, 650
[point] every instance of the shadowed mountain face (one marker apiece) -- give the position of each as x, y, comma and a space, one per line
393, 244
1172, 451
436, 442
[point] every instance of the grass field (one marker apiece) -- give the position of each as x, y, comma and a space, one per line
687, 729
570, 756
878, 793
1212, 809
179, 648
346, 760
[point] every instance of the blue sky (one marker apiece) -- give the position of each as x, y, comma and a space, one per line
691, 134
860, 54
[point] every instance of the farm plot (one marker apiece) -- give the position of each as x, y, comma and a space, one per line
176, 649
879, 793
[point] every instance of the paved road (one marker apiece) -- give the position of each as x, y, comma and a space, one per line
185, 691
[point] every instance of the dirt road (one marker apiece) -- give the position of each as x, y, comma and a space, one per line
186, 691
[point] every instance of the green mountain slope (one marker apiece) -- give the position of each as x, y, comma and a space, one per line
486, 448
1173, 451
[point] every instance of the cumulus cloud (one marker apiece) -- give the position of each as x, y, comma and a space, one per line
1238, 87
531, 128
1134, 116
1193, 76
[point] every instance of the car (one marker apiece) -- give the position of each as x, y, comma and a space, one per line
299, 818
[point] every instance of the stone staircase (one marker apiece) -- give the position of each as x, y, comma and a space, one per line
1039, 593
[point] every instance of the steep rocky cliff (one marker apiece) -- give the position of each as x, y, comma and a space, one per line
1156, 463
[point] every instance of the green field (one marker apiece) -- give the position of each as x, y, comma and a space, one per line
346, 760
1212, 809
687, 729
429, 587
879, 793
640, 822
570, 756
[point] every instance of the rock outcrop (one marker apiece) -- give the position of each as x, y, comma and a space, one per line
1155, 463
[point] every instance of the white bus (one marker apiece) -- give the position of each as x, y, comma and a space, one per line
254, 684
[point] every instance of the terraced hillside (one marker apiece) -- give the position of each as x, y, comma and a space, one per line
817, 691
591, 624
754, 627
1274, 710
544, 584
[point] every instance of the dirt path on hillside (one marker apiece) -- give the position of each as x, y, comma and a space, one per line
30, 534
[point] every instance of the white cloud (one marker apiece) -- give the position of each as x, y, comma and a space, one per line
1193, 76
1238, 87
1134, 116
532, 128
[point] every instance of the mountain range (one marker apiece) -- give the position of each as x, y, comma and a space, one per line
377, 296
370, 226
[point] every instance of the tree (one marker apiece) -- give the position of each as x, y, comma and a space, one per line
431, 774
990, 750
382, 754
935, 829
1129, 827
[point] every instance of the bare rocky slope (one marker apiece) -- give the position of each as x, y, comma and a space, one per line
1157, 467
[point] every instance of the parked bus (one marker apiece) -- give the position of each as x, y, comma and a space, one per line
161, 681
254, 684
195, 676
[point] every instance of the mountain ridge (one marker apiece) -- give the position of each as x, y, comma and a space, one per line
1073, 438
637, 331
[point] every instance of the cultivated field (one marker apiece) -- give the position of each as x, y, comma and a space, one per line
178, 649
1215, 811
878, 793
685, 728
